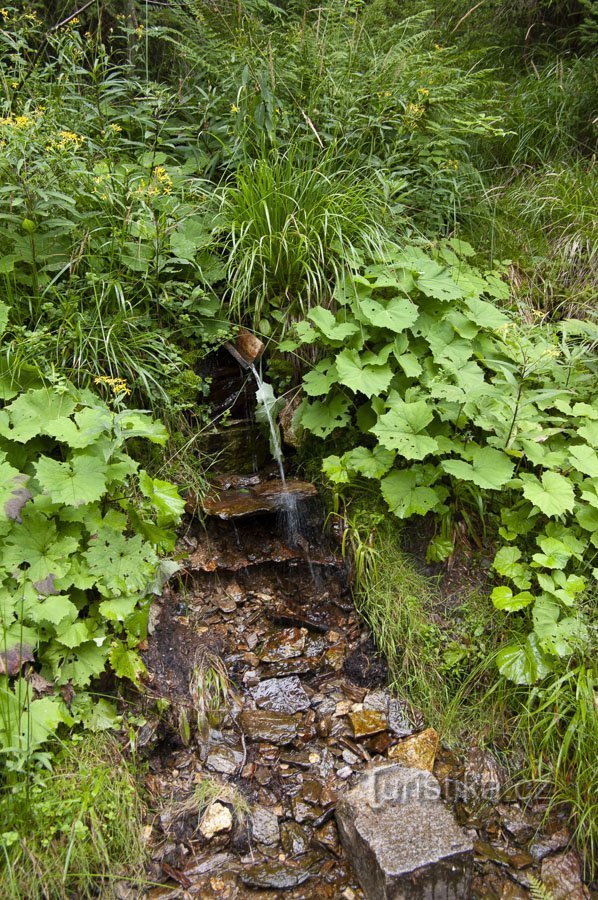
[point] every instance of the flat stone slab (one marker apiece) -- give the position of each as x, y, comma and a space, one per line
403, 842
268, 496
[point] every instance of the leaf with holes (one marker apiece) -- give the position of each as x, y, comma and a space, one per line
402, 427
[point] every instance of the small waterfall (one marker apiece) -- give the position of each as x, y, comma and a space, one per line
289, 505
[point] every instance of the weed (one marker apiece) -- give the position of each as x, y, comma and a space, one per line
78, 828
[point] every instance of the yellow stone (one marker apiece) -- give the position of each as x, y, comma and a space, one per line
418, 751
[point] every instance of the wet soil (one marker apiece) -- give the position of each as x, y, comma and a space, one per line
265, 699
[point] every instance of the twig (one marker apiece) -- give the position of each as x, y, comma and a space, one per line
72, 16
468, 13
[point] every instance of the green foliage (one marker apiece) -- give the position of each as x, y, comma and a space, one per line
452, 405
81, 528
286, 222
76, 829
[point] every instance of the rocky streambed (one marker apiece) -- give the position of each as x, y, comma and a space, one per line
266, 703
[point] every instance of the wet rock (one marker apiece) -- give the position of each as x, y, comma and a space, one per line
504, 857
265, 725
224, 760
365, 667
483, 777
311, 791
265, 826
210, 864
269, 496
246, 348
518, 824
418, 751
398, 718
277, 875
294, 839
401, 839
561, 875
366, 722
216, 820
304, 812
327, 837
284, 644
344, 772
281, 695
547, 844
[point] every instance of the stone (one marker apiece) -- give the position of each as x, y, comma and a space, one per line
547, 844
367, 721
265, 826
270, 496
285, 644
224, 760
265, 725
327, 837
512, 859
216, 819
401, 839
281, 695
483, 777
561, 875
398, 719
418, 751
277, 875
518, 824
247, 346
294, 839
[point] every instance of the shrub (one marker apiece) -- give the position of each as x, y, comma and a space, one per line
81, 527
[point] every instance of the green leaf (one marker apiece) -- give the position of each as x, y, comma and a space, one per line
36, 543
585, 459
126, 663
560, 637
369, 463
53, 610
366, 379
553, 495
320, 379
405, 497
435, 281
506, 562
87, 426
489, 468
13, 493
486, 314
322, 418
503, 598
335, 470
523, 663
395, 315
400, 429
164, 496
75, 483
328, 325
121, 565
34, 411
139, 424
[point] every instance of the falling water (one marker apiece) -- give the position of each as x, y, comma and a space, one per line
289, 503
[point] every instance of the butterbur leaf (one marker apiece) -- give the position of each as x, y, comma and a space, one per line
13, 493
165, 498
585, 459
34, 411
405, 497
322, 418
553, 495
320, 379
556, 636
489, 468
486, 314
402, 426
335, 470
362, 378
126, 663
506, 563
369, 463
330, 328
503, 598
523, 663
138, 424
435, 281
75, 483
394, 315
14, 657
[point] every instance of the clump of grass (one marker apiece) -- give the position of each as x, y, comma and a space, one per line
208, 791
287, 221
73, 831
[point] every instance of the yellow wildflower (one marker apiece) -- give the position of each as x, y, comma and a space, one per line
423, 92
5, 14
116, 385
234, 108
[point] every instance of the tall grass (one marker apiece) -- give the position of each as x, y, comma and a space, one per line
287, 222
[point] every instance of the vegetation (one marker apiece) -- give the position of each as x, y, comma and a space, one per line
401, 197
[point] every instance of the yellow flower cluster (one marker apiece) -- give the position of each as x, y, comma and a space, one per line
18, 123
423, 92
98, 183
413, 114
160, 183
116, 385
65, 140
5, 14
452, 164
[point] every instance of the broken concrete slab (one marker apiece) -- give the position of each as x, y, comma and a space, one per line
401, 839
